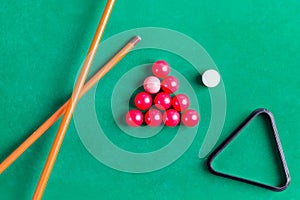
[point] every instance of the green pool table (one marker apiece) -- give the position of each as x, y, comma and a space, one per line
254, 45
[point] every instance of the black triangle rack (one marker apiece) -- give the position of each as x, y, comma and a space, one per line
220, 148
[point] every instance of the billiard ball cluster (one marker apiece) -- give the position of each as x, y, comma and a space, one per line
157, 99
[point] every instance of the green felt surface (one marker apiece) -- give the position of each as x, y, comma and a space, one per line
254, 43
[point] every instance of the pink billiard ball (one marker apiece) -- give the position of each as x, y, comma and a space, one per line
161, 69
152, 84
134, 118
170, 84
153, 118
171, 118
190, 118
180, 102
163, 101
143, 101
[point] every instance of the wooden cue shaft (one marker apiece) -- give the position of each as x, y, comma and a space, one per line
49, 122
72, 103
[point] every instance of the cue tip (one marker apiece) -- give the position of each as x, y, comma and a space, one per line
136, 40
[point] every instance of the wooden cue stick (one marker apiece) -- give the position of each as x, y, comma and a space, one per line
72, 103
48, 123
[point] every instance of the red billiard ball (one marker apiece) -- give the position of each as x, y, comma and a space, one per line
143, 101
180, 102
163, 101
170, 84
161, 69
153, 118
190, 118
134, 118
171, 118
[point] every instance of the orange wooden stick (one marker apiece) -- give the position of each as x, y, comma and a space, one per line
72, 103
47, 124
